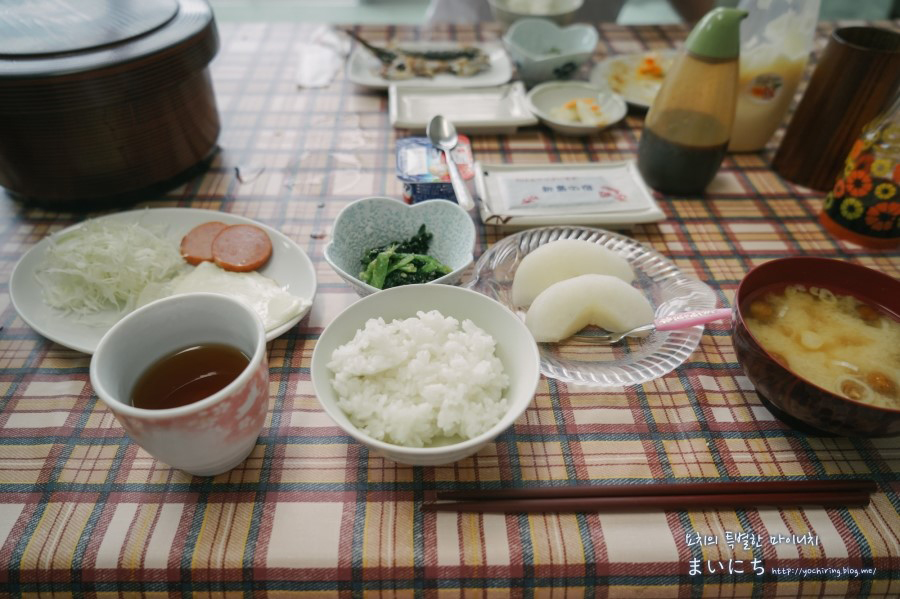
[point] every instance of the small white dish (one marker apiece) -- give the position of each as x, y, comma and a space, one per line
515, 347
525, 195
577, 360
289, 266
544, 51
499, 110
621, 75
378, 221
544, 98
364, 69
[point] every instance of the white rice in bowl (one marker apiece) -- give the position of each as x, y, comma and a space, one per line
423, 381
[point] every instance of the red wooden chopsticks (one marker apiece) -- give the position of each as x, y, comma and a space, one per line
684, 496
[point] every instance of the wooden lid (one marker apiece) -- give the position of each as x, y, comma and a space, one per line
46, 27
54, 38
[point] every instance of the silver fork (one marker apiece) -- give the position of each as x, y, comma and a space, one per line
673, 322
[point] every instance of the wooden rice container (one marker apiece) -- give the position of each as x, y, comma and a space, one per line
103, 102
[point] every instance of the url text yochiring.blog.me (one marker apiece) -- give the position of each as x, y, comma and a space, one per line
835, 572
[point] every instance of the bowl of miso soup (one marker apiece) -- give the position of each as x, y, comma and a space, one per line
820, 340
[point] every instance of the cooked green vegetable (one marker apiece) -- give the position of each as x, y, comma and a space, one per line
402, 263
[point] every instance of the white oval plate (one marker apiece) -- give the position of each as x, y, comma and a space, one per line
619, 74
363, 68
289, 266
577, 359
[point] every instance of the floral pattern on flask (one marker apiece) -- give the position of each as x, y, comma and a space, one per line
865, 199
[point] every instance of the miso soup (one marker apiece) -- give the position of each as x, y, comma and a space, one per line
833, 340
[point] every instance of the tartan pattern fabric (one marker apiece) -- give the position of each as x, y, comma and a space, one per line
86, 513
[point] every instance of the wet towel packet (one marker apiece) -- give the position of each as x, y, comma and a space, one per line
536, 194
578, 189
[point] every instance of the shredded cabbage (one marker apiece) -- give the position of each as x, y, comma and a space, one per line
97, 271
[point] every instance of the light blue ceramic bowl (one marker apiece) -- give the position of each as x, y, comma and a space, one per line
377, 221
544, 51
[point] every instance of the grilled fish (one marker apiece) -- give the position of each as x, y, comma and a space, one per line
398, 64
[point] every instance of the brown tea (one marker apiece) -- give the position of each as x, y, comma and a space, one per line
188, 375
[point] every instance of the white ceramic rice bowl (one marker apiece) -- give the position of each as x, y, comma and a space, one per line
561, 12
515, 348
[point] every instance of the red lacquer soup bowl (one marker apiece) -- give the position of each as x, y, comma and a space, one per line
792, 398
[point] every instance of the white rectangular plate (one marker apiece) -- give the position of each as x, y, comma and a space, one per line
494, 110
499, 185
364, 69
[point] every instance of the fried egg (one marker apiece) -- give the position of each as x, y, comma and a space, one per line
274, 305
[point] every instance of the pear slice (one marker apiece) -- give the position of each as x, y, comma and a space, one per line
566, 307
563, 259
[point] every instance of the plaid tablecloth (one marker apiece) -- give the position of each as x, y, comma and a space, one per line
84, 512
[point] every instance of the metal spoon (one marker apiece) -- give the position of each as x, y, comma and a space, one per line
673, 322
442, 135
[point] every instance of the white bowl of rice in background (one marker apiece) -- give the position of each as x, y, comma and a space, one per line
476, 379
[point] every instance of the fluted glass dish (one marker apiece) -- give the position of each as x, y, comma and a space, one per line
579, 359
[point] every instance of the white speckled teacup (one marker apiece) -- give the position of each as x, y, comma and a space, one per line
209, 436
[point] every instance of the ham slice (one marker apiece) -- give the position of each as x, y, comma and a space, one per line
196, 246
241, 248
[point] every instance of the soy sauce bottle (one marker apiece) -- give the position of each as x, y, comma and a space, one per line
688, 126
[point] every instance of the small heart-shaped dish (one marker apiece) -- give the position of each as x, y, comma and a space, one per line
544, 51
377, 221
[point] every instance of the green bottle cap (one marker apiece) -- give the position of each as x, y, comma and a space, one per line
717, 35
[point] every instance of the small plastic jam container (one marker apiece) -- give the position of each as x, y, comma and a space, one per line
423, 168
